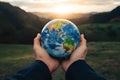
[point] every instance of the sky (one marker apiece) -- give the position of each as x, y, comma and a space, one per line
65, 6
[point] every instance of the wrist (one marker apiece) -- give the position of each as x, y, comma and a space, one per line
70, 62
41, 68
46, 63
51, 64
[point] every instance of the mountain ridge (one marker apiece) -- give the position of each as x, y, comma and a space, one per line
19, 26
15, 22
83, 18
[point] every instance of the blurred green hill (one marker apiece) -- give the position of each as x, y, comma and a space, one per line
101, 31
19, 26
106, 16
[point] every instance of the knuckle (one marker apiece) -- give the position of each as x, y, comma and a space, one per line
34, 47
34, 39
85, 40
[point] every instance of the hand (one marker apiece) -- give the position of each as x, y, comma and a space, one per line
42, 55
78, 54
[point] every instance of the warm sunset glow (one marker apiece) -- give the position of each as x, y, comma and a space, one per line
62, 9
65, 6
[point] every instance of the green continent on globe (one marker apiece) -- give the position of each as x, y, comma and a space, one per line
68, 45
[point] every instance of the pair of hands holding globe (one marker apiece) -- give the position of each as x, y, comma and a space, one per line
42, 55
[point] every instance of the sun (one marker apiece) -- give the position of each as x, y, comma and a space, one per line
62, 9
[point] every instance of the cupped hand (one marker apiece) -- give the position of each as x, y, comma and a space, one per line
42, 55
78, 54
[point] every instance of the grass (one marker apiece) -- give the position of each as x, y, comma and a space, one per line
103, 57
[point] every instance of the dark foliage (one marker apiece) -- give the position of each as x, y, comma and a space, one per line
18, 26
105, 17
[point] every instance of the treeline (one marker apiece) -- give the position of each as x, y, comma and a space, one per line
18, 26
93, 32
101, 32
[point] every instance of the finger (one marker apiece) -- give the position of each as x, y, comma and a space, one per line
37, 40
83, 40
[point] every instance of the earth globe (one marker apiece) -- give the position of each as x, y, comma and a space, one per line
60, 37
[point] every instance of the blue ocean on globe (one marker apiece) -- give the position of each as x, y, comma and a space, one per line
60, 38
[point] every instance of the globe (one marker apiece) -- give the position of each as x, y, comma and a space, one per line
60, 37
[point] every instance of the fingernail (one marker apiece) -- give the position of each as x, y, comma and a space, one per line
82, 35
38, 34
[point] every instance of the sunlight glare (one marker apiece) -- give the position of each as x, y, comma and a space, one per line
62, 9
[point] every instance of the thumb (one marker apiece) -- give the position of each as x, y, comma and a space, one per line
37, 40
